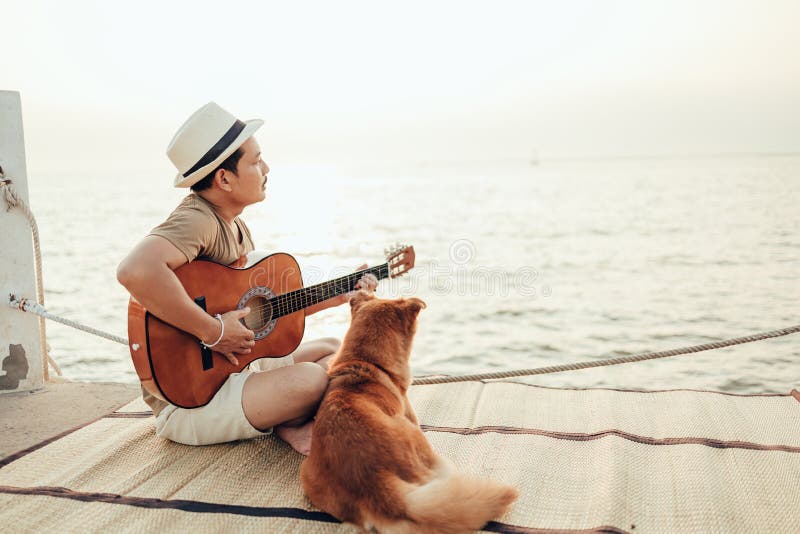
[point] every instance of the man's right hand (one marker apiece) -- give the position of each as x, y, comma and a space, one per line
238, 339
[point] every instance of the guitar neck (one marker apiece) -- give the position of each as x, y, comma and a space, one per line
300, 299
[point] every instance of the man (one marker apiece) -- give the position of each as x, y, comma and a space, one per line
220, 160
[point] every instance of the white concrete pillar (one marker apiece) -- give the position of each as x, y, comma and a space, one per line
20, 346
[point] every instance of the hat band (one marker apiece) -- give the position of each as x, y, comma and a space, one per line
218, 148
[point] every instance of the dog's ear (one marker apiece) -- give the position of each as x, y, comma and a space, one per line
358, 299
413, 306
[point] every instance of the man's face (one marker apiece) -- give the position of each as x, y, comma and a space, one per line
249, 184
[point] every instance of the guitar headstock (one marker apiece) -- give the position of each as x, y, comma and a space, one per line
400, 258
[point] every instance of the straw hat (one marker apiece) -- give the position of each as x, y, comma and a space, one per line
209, 136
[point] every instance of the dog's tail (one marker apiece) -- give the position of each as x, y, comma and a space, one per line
457, 503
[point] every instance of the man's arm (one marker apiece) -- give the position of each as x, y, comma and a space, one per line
147, 273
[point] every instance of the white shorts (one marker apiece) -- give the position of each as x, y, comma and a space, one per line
222, 419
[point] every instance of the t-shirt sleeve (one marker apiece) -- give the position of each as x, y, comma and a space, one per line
190, 230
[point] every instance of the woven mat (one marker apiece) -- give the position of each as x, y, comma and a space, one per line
584, 461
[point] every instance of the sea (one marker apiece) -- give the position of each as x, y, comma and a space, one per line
522, 264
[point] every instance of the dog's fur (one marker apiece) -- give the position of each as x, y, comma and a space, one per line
370, 464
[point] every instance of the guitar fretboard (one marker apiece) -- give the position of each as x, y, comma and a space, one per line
300, 299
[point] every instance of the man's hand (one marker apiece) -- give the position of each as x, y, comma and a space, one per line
238, 339
368, 283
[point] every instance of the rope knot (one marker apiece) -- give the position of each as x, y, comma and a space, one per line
12, 199
3, 179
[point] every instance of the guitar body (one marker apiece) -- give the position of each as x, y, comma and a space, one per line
170, 362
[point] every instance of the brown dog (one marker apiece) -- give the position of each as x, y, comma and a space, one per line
370, 464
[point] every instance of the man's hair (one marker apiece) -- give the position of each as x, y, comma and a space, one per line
230, 164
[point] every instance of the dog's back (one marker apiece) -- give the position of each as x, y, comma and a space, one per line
370, 464
362, 442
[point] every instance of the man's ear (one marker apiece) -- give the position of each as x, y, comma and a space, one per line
359, 299
222, 179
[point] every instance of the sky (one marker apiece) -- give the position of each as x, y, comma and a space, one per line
108, 83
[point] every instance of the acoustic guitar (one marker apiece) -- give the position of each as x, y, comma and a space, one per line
174, 366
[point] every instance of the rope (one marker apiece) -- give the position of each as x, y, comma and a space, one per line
609, 361
32, 307
14, 201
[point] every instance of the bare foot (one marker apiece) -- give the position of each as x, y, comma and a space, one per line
299, 437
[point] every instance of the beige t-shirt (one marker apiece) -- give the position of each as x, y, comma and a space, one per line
198, 231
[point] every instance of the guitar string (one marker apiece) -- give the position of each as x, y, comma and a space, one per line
296, 300
305, 297
287, 302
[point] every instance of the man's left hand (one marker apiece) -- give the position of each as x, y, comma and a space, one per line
368, 283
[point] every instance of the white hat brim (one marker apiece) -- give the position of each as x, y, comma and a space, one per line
249, 129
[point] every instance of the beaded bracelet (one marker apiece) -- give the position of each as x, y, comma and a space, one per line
221, 333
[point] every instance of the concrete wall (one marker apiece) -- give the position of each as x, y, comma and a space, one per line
20, 347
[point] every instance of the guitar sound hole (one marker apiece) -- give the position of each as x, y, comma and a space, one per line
260, 313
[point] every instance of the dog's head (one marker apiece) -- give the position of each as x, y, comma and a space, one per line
381, 330
399, 314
